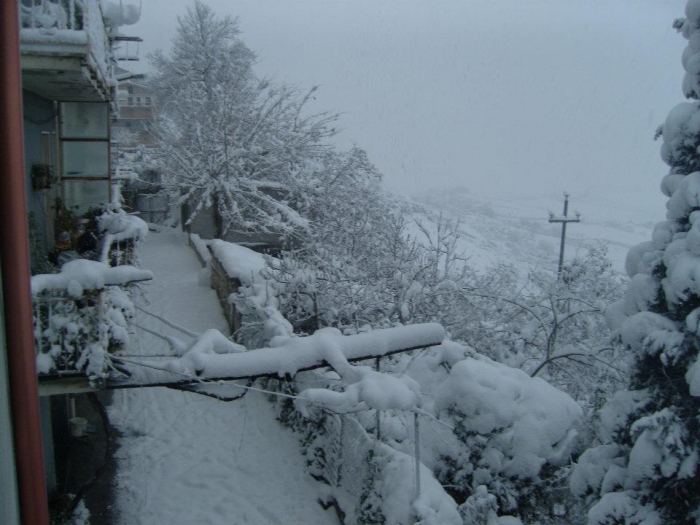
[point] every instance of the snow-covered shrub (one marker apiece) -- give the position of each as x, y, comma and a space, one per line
78, 334
256, 299
646, 470
81, 316
362, 264
372, 482
552, 328
513, 435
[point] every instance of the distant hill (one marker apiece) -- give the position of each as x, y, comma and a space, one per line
516, 230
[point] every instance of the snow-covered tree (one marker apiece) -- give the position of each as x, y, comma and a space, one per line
230, 141
550, 328
646, 472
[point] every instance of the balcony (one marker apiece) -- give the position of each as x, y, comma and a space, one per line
66, 50
82, 313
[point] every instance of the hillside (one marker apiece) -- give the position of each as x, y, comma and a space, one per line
515, 229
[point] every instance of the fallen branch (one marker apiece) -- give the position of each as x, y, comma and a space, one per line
324, 348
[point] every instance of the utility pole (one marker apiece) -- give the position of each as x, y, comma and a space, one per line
564, 220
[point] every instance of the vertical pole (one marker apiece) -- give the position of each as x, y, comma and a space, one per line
562, 243
14, 255
564, 220
378, 414
341, 435
416, 429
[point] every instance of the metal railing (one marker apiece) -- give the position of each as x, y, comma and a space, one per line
66, 327
54, 14
59, 19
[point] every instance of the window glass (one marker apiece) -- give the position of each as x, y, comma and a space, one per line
80, 196
84, 120
85, 159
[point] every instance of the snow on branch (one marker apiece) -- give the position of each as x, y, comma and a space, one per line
213, 357
82, 274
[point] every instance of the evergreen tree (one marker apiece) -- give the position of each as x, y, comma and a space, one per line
646, 472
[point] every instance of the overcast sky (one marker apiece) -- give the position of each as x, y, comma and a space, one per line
524, 98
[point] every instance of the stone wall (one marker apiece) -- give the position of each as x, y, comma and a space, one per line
224, 287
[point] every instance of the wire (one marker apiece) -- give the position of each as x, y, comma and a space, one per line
198, 380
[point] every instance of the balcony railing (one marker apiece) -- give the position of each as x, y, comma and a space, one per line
81, 316
68, 28
81, 313
57, 14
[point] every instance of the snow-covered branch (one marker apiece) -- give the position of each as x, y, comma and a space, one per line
213, 357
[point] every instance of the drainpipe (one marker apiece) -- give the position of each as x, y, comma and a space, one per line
14, 258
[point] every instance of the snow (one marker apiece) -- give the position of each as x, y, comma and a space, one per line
506, 226
213, 356
397, 492
53, 37
82, 274
47, 29
625, 506
239, 262
184, 458
118, 14
201, 246
525, 418
118, 226
369, 390
693, 378
635, 329
594, 468
682, 121
44, 363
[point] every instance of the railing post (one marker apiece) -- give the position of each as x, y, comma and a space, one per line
71, 15
32, 15
341, 435
378, 415
416, 428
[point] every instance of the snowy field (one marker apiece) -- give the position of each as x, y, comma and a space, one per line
513, 229
186, 459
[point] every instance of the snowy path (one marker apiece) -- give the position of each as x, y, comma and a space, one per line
186, 459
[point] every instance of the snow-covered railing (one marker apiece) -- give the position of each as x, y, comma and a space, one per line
232, 266
80, 316
68, 28
200, 249
47, 14
121, 233
371, 482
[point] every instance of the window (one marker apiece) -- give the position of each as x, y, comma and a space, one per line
84, 146
84, 120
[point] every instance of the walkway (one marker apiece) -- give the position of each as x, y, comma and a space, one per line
186, 459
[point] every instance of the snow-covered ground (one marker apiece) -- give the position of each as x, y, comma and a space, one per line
515, 228
188, 459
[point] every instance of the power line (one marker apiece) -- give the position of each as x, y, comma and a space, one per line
564, 220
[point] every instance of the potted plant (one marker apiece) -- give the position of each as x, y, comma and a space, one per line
41, 176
